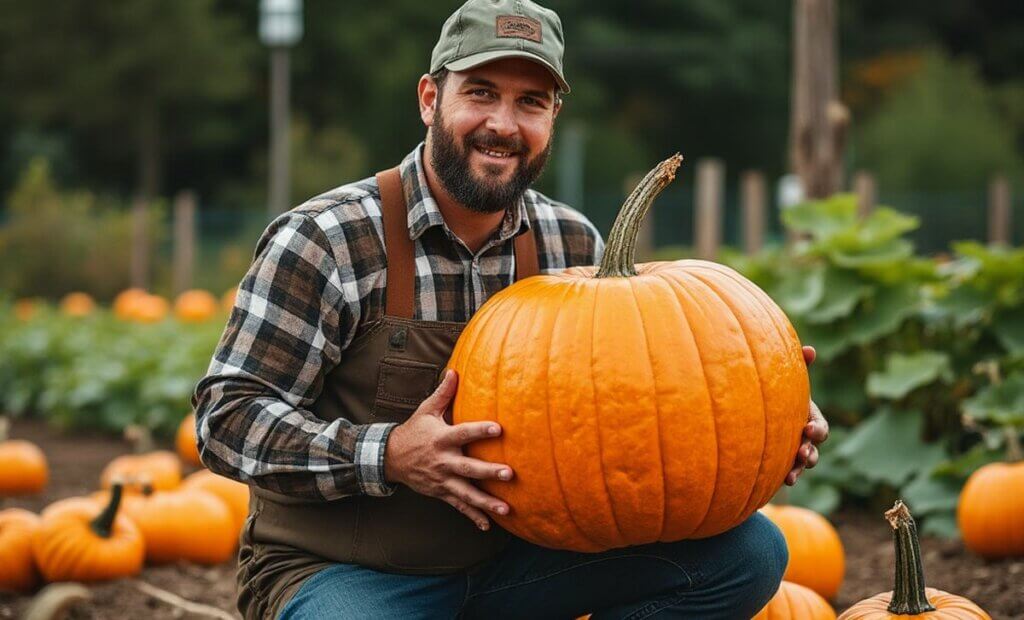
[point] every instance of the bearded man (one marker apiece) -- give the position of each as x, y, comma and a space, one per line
325, 393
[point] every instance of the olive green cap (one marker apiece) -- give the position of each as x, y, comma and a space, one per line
483, 31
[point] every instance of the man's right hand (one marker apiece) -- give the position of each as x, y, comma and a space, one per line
425, 454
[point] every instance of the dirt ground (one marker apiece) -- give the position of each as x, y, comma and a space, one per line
76, 461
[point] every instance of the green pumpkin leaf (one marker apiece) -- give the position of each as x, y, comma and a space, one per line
905, 373
941, 525
967, 463
926, 494
887, 447
885, 254
1008, 327
800, 289
822, 218
1001, 404
809, 493
965, 305
842, 290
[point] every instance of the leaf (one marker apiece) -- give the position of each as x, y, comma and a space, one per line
1009, 330
892, 251
887, 447
965, 305
926, 494
809, 493
1001, 403
800, 289
822, 218
842, 290
905, 373
891, 305
942, 525
967, 463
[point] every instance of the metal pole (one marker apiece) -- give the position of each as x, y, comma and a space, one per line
278, 194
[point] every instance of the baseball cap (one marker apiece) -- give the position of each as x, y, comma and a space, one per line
483, 31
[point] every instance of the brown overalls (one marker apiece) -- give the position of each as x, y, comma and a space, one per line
386, 372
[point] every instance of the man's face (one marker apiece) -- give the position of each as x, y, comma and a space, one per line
491, 132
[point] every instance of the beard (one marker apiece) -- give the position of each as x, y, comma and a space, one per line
490, 194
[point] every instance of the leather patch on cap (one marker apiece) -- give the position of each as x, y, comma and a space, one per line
518, 27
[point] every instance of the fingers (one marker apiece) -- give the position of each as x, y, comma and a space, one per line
474, 515
475, 501
479, 470
817, 426
468, 432
442, 396
809, 354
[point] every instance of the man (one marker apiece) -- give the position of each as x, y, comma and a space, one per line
323, 395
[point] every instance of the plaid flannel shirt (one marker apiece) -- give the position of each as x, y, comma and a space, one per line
317, 278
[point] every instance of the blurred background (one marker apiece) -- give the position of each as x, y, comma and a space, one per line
167, 105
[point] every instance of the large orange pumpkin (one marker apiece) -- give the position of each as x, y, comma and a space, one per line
638, 405
816, 557
796, 602
195, 306
990, 514
23, 468
84, 542
185, 441
17, 567
909, 597
233, 493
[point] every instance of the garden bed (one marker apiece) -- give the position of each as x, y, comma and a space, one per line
76, 461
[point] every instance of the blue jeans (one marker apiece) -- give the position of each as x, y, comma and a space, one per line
729, 576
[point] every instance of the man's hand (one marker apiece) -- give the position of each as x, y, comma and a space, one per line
815, 432
425, 454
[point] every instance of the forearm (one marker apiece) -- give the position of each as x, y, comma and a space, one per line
246, 431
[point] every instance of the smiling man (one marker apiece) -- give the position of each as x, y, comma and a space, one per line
325, 393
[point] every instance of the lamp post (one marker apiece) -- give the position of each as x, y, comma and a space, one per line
280, 28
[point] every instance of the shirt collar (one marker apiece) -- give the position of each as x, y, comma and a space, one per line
423, 211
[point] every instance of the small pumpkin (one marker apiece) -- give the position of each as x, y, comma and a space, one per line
18, 571
124, 303
227, 300
185, 441
83, 542
160, 468
796, 602
233, 493
150, 309
909, 596
195, 306
23, 466
27, 308
639, 403
816, 556
77, 304
185, 524
989, 514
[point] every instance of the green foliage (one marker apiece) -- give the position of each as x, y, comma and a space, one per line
1000, 403
905, 373
56, 242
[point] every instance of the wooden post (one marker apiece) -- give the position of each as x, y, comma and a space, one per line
753, 195
818, 122
867, 192
184, 240
140, 244
999, 206
645, 236
708, 214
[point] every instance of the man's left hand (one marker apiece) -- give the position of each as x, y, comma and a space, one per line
815, 432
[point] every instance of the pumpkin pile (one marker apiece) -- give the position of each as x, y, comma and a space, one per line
645, 403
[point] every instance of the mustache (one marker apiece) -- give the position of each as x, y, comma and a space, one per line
491, 141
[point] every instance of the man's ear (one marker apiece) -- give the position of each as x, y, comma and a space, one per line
427, 93
557, 107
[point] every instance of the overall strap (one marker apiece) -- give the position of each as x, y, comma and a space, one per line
526, 254
401, 264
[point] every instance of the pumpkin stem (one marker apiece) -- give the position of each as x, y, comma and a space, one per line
1014, 452
908, 596
103, 524
618, 259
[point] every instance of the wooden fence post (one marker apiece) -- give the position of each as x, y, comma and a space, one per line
184, 240
999, 206
140, 244
867, 192
754, 198
708, 214
644, 236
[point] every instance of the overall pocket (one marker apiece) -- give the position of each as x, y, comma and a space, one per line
402, 384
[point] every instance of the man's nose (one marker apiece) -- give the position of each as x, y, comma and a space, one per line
502, 120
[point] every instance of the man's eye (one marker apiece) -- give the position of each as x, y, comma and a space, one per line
530, 101
481, 92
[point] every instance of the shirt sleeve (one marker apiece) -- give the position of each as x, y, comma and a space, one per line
252, 418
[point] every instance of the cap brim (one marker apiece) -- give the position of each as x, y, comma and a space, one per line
482, 58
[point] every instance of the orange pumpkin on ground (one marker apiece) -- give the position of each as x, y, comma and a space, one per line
185, 524
796, 602
17, 566
25, 309
83, 542
909, 597
195, 306
77, 304
816, 556
654, 403
159, 468
150, 309
185, 441
124, 303
233, 493
990, 514
227, 300
23, 467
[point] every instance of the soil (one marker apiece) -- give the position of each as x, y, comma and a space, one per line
76, 460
